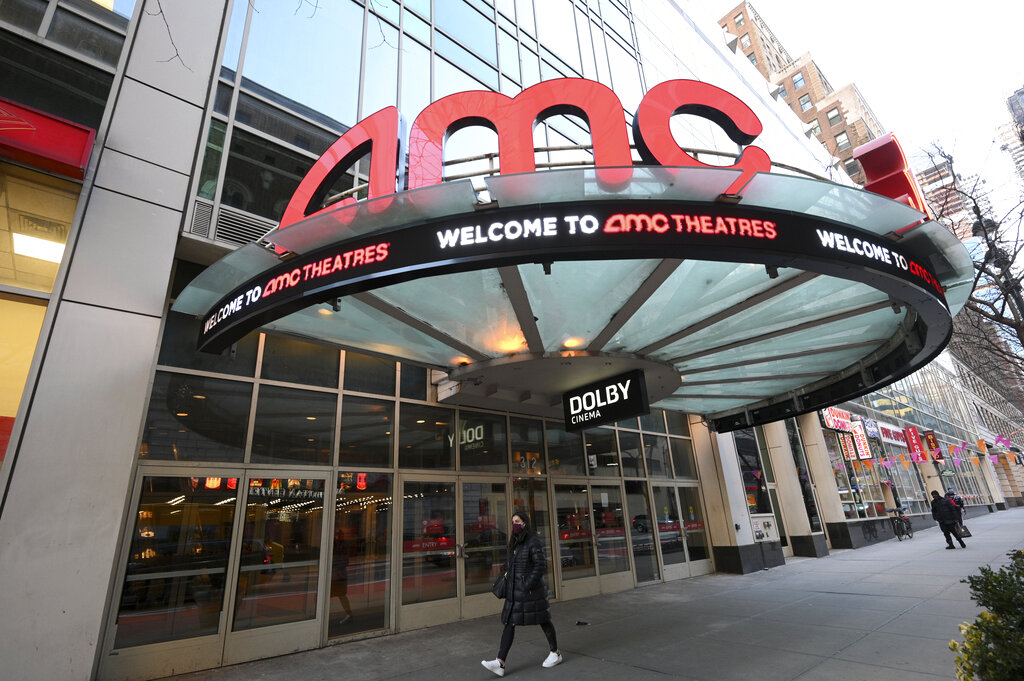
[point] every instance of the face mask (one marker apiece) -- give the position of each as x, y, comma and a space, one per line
516, 529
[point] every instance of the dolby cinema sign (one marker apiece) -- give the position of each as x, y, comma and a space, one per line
607, 401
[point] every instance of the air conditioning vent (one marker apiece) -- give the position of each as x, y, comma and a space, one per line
201, 219
236, 227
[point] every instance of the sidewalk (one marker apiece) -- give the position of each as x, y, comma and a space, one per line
882, 613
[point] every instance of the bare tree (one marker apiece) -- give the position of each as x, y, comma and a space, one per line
989, 332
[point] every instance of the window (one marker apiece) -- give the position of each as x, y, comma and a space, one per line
834, 117
852, 167
740, 20
782, 91
755, 477
816, 127
798, 80
842, 141
805, 102
753, 58
745, 41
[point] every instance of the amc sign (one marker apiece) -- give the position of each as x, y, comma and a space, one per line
607, 401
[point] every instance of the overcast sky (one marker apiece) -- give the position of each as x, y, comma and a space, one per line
935, 71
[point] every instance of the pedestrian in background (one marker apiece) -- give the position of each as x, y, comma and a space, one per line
948, 515
526, 593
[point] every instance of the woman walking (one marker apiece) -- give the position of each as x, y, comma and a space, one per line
526, 593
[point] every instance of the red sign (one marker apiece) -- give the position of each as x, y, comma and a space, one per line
576, 534
930, 441
693, 525
44, 141
888, 173
439, 544
837, 419
514, 119
668, 527
914, 445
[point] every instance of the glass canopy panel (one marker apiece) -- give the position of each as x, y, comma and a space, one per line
594, 301
819, 298
754, 364
953, 264
471, 307
704, 405
359, 326
366, 217
696, 290
777, 386
848, 205
878, 324
215, 281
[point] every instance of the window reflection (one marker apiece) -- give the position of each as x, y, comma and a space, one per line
641, 532
367, 431
280, 559
361, 555
565, 451
293, 426
428, 542
483, 445
575, 538
261, 176
425, 437
610, 530
174, 582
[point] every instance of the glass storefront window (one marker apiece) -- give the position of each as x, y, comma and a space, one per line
803, 474
361, 554
656, 453
414, 382
527, 440
194, 418
483, 442
295, 361
367, 431
602, 452
849, 497
178, 349
366, 374
35, 218
654, 421
677, 424
565, 451
485, 520
693, 524
609, 529
428, 542
670, 529
85, 37
682, 458
293, 426
630, 451
575, 538
754, 478
23, 318
641, 532
261, 176
177, 562
425, 437
280, 559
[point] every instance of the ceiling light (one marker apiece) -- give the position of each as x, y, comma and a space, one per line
311, 418
182, 413
199, 397
572, 342
324, 310
41, 249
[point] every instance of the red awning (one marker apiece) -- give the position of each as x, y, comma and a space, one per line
44, 141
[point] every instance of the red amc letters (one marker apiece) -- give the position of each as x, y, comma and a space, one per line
691, 224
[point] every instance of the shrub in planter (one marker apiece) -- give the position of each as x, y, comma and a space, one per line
993, 646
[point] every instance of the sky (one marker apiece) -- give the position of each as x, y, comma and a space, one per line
932, 72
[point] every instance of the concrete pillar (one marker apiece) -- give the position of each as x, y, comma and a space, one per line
61, 522
787, 482
830, 508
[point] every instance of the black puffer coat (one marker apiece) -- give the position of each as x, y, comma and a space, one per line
526, 599
945, 511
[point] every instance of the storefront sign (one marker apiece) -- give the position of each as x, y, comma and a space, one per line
894, 435
871, 428
914, 445
837, 419
860, 439
931, 443
846, 444
606, 401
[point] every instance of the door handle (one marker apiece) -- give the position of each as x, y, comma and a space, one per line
460, 550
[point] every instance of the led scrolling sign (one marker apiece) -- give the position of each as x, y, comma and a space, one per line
543, 233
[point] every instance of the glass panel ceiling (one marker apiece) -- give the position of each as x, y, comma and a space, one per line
362, 327
234, 269
703, 369
598, 289
696, 290
788, 309
470, 306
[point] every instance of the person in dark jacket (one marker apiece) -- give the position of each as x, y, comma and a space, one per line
947, 514
526, 593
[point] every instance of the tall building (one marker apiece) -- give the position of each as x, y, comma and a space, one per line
298, 301
840, 119
1008, 135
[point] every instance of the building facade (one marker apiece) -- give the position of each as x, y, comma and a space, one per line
307, 487
840, 119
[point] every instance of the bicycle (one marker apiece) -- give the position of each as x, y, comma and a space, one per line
901, 526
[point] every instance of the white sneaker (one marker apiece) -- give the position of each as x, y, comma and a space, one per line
344, 619
494, 666
552, 659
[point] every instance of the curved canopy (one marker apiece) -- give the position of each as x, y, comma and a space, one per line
799, 294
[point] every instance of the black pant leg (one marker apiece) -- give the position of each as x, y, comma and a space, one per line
507, 637
549, 630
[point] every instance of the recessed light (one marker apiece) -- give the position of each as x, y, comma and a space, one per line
40, 249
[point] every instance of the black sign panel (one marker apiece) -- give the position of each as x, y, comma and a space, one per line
607, 401
579, 231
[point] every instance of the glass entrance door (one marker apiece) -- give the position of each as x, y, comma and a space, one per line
274, 605
454, 532
576, 546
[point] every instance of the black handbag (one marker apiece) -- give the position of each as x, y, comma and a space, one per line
962, 530
500, 585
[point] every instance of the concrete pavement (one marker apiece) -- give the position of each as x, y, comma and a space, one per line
882, 613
